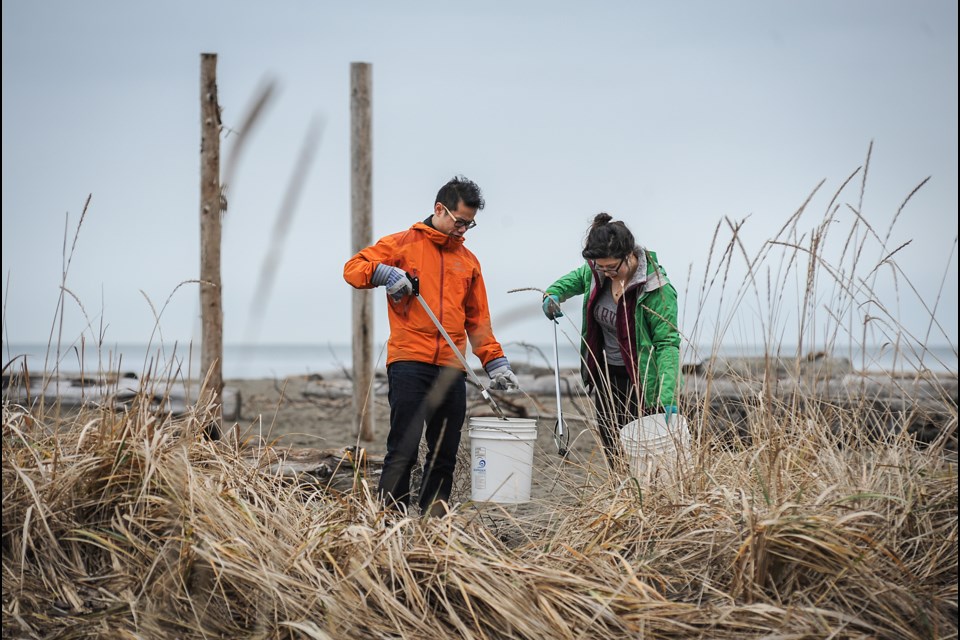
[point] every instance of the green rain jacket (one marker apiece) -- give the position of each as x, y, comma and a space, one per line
650, 344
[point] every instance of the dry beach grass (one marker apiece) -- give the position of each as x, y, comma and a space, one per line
130, 525
804, 520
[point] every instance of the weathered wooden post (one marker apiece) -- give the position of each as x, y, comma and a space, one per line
211, 293
361, 235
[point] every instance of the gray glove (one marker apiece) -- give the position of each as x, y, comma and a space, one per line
394, 279
502, 377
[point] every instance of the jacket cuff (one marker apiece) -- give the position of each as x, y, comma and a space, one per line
381, 275
495, 364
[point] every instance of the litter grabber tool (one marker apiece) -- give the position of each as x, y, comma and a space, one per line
560, 435
470, 372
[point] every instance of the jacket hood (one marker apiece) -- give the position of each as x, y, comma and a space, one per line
647, 276
438, 237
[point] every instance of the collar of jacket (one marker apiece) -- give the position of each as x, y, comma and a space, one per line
642, 277
437, 237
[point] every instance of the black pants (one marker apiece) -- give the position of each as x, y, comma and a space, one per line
617, 403
422, 394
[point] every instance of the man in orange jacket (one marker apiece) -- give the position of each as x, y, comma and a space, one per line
427, 384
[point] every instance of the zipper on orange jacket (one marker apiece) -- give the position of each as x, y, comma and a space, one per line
436, 354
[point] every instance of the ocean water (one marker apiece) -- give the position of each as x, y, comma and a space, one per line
280, 361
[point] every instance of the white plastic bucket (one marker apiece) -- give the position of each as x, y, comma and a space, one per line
501, 459
651, 446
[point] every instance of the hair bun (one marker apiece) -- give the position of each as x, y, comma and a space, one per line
607, 239
602, 218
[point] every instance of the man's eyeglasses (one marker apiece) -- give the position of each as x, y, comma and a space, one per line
458, 222
606, 269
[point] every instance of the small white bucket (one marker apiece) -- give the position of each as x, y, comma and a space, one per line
651, 445
501, 459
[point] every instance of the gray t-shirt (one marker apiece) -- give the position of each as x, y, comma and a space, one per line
605, 313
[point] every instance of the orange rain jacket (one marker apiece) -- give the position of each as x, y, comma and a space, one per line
450, 283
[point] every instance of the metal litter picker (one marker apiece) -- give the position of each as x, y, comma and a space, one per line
470, 372
560, 435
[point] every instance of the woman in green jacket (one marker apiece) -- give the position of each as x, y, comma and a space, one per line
630, 349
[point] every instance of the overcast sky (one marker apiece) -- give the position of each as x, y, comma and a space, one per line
674, 116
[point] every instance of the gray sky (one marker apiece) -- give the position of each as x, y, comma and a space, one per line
673, 116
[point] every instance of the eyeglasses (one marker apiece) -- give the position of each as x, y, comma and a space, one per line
458, 222
606, 269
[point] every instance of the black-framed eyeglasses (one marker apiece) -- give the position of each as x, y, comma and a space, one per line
603, 269
459, 223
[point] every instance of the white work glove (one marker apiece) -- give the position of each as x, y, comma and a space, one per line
502, 377
394, 279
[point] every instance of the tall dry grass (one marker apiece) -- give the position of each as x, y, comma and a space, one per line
805, 524
130, 525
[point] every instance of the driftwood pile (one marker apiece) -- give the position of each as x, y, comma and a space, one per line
729, 393
118, 391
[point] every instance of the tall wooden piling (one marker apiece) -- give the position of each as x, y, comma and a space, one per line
361, 235
211, 293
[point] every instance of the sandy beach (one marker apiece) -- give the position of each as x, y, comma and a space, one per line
295, 411
289, 413
317, 413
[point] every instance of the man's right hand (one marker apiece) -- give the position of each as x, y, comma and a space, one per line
398, 284
394, 279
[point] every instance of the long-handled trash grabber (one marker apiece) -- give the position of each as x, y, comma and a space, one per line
473, 375
560, 435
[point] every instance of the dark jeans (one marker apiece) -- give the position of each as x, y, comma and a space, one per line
616, 402
422, 394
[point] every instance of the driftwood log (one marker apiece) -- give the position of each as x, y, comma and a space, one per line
330, 469
118, 391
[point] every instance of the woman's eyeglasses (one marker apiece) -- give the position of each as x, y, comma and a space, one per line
607, 269
458, 222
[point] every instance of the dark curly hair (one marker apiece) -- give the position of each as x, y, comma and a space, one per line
460, 188
607, 238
